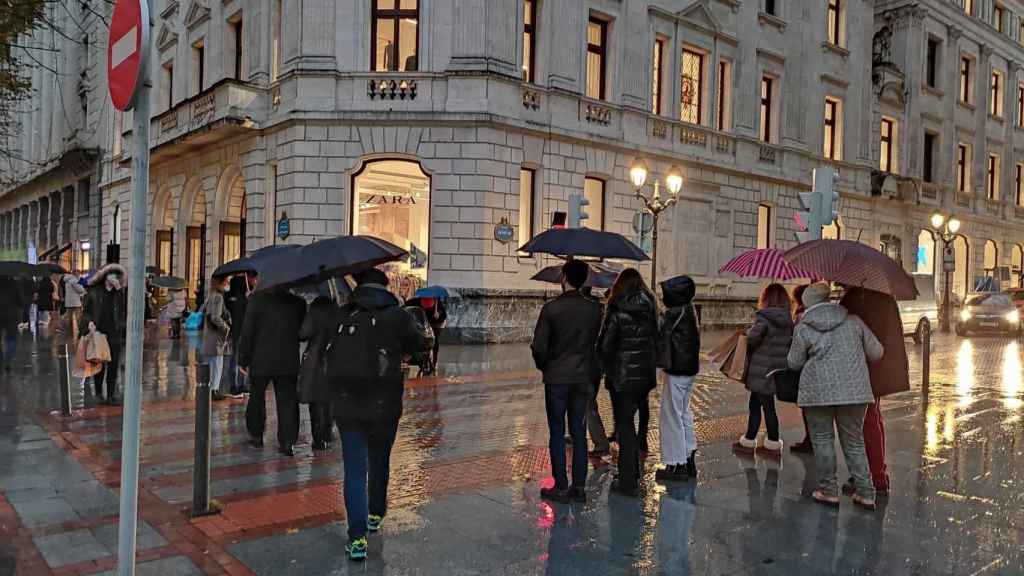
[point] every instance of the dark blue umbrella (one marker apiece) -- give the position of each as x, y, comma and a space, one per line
600, 276
438, 292
330, 258
252, 263
13, 269
584, 242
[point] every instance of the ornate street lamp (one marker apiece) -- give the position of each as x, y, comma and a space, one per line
655, 204
946, 227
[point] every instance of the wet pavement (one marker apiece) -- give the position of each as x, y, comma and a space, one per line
467, 467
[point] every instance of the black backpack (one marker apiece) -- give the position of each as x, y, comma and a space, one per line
359, 357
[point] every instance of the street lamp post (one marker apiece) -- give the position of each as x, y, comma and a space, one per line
655, 205
947, 228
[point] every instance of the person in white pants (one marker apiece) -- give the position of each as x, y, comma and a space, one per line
679, 356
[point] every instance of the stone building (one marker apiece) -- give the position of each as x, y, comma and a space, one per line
431, 123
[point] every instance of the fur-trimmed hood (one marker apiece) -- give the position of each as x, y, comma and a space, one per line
100, 276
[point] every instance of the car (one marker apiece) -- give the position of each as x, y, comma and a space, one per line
992, 312
921, 314
1017, 295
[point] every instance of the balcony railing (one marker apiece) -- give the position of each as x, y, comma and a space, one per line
229, 103
767, 154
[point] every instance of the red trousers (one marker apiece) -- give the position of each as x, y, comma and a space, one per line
874, 445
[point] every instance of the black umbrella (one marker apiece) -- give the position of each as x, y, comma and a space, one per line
600, 276
584, 242
11, 268
45, 268
168, 282
333, 257
154, 270
253, 263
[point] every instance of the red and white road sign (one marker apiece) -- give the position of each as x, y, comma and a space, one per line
127, 49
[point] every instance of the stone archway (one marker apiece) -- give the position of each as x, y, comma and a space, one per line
165, 212
229, 216
192, 222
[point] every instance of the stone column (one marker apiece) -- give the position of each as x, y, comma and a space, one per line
566, 41
911, 137
982, 86
486, 36
952, 89
317, 31
1008, 192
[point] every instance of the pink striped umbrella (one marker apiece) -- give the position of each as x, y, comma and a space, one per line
765, 263
853, 264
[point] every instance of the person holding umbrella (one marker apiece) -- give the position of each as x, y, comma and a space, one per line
216, 331
627, 346
431, 300
563, 349
268, 352
236, 299
889, 375
832, 348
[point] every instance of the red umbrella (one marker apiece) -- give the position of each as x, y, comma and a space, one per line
765, 263
853, 264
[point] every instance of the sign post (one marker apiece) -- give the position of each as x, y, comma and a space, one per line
129, 83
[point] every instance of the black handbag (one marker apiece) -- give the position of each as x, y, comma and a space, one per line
787, 384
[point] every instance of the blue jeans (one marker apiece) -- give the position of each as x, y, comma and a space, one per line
237, 381
366, 452
8, 342
560, 401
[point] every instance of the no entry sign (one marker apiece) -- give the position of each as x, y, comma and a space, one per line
127, 50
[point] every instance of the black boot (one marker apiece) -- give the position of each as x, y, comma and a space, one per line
691, 465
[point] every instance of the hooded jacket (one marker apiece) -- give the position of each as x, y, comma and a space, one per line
269, 344
107, 309
833, 348
382, 405
628, 343
679, 330
768, 342
73, 291
565, 340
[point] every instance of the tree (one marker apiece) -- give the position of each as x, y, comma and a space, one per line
18, 19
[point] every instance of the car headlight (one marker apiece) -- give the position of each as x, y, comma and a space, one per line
1013, 317
965, 315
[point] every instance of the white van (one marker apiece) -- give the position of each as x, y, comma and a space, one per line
920, 315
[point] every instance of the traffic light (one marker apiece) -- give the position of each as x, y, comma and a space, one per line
577, 215
817, 206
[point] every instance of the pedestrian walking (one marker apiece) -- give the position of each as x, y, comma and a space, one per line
216, 335
236, 299
364, 363
105, 308
804, 446
564, 349
832, 348
318, 329
679, 356
268, 351
889, 375
595, 426
46, 300
627, 348
73, 293
12, 307
768, 342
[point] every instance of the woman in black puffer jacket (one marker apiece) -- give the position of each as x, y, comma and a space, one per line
627, 346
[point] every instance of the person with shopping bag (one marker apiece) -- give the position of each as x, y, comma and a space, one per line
679, 356
105, 309
768, 342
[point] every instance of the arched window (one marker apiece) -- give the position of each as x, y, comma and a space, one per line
115, 230
926, 263
962, 275
991, 258
1016, 265
891, 246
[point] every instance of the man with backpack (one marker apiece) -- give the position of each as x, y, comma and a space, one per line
564, 349
364, 363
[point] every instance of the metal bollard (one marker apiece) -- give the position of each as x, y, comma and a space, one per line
926, 362
64, 380
202, 505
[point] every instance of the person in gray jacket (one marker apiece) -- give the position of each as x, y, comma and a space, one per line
216, 332
832, 348
73, 293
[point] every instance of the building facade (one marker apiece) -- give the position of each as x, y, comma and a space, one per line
437, 123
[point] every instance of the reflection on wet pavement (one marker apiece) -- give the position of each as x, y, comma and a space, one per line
467, 467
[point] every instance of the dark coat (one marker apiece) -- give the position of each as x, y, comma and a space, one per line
269, 344
12, 301
381, 406
44, 294
318, 329
768, 342
628, 342
565, 340
108, 309
235, 300
881, 314
679, 330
